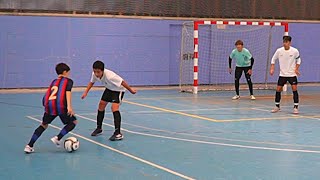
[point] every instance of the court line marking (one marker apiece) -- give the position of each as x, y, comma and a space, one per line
209, 137
210, 143
121, 152
225, 139
294, 115
206, 118
171, 111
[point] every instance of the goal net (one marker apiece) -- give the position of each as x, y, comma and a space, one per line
206, 46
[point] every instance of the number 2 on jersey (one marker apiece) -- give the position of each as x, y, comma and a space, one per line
53, 94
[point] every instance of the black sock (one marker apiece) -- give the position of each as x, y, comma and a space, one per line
37, 133
295, 99
278, 98
117, 121
69, 127
237, 85
100, 118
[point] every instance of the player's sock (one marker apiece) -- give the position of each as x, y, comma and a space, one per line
37, 133
117, 121
295, 99
69, 127
100, 118
278, 98
237, 85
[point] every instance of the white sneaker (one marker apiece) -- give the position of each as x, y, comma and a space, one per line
295, 111
56, 141
28, 149
275, 110
252, 97
235, 97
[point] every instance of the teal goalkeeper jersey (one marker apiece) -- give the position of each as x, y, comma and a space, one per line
242, 58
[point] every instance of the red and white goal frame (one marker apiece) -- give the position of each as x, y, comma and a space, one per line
235, 23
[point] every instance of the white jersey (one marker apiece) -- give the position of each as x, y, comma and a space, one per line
288, 59
110, 80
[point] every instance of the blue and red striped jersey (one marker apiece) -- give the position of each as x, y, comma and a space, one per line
55, 101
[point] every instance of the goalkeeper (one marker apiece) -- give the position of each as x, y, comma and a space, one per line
244, 63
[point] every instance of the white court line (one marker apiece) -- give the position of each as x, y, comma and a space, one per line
121, 152
211, 143
225, 139
217, 138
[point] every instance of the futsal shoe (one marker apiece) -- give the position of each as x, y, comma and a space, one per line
56, 141
252, 97
275, 110
235, 97
116, 137
96, 132
295, 111
28, 149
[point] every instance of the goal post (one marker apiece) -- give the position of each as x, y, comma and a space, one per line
205, 46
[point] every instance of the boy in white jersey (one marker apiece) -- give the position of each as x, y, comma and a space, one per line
115, 88
289, 62
244, 63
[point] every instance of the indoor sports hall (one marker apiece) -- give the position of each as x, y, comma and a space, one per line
182, 123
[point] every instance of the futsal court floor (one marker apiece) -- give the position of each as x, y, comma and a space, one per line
168, 135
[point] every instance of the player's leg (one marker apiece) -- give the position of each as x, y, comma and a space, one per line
281, 82
70, 123
46, 119
237, 76
294, 85
101, 111
248, 78
117, 98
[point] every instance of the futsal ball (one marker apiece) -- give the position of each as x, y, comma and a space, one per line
71, 144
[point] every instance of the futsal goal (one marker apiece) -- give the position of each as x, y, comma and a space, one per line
206, 46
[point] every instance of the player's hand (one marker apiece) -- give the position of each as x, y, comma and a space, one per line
133, 91
297, 72
70, 111
84, 95
271, 72
230, 70
250, 71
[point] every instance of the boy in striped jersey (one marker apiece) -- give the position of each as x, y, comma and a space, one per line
57, 102
289, 62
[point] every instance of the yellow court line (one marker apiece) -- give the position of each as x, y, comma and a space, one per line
172, 111
211, 119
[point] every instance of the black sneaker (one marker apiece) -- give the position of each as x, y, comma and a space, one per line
96, 132
116, 137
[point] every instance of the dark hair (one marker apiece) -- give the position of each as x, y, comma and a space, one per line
98, 65
238, 42
61, 67
286, 38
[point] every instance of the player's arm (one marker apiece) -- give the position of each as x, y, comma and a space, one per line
273, 61
85, 93
230, 61
298, 62
68, 96
126, 85
252, 62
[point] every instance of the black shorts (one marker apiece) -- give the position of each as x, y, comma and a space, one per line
112, 96
283, 80
239, 70
65, 118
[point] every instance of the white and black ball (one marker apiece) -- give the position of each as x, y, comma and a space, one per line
71, 144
